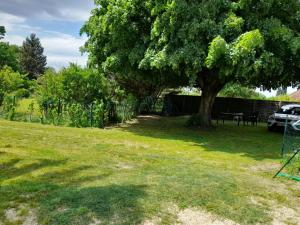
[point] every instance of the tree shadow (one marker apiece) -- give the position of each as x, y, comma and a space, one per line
62, 197
60, 176
255, 142
111, 203
10, 169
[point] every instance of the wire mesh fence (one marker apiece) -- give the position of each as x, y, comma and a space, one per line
61, 113
291, 148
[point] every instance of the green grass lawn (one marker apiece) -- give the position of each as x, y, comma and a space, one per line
151, 171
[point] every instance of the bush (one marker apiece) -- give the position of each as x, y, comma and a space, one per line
86, 96
194, 120
10, 104
2, 93
22, 93
127, 108
99, 117
77, 115
13, 83
10, 81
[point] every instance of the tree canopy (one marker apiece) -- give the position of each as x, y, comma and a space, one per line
33, 61
9, 56
210, 42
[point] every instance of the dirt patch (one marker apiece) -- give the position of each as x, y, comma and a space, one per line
154, 221
30, 218
266, 167
95, 222
135, 145
196, 217
124, 166
15, 215
148, 117
281, 215
12, 215
190, 216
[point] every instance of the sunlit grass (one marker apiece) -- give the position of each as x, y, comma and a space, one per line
128, 174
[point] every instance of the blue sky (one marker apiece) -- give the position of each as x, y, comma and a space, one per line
56, 23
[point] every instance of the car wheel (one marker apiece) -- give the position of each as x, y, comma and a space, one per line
272, 128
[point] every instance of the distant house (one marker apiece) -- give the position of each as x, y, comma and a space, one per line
295, 96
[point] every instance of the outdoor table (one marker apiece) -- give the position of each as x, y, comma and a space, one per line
238, 116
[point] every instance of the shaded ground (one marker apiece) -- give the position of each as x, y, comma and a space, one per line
151, 171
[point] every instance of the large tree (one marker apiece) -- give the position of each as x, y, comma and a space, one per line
212, 42
33, 61
122, 63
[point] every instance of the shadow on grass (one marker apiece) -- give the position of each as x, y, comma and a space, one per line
61, 197
255, 142
64, 205
63, 177
9, 170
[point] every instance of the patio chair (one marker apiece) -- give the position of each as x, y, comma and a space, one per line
251, 118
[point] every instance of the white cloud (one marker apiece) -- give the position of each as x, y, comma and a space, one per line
10, 21
72, 10
10, 18
58, 61
62, 43
60, 48
63, 49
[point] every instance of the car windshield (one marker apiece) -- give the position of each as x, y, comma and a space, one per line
284, 111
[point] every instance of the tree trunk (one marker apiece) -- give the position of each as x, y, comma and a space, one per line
207, 101
210, 86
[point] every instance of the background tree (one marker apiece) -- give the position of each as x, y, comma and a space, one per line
33, 61
2, 32
9, 56
212, 42
234, 90
281, 91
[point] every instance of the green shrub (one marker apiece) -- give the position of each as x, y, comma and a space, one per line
99, 117
13, 83
194, 120
22, 93
2, 93
10, 104
77, 115
82, 97
126, 108
31, 109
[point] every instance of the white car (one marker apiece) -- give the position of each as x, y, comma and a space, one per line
286, 114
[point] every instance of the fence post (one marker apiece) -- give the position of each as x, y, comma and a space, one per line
59, 107
91, 115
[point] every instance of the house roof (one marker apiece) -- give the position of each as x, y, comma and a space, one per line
295, 95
